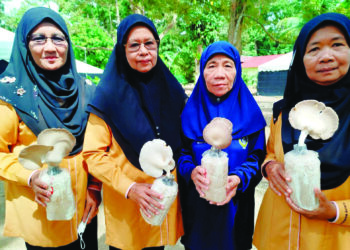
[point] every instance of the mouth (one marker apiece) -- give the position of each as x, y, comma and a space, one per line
326, 70
50, 58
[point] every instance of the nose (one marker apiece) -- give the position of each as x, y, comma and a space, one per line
326, 55
219, 72
49, 45
143, 50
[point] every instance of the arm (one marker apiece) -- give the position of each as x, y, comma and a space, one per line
249, 171
10, 168
107, 162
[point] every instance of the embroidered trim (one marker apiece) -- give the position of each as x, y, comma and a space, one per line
346, 213
8, 79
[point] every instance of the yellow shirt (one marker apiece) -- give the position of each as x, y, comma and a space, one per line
24, 217
278, 227
125, 228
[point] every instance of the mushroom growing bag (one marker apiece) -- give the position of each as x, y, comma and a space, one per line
52, 146
155, 158
61, 205
217, 134
302, 165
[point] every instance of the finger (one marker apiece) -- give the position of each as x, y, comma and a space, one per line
146, 212
152, 204
37, 199
294, 206
280, 184
274, 189
320, 195
154, 194
86, 212
201, 193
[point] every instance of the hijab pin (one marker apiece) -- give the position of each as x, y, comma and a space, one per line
21, 91
8, 79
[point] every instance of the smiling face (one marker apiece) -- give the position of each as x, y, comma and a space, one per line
144, 58
48, 56
219, 74
327, 56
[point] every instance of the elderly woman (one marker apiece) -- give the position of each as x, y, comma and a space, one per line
320, 71
221, 92
41, 89
137, 100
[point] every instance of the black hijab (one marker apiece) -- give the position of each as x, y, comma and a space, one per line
45, 99
138, 107
334, 153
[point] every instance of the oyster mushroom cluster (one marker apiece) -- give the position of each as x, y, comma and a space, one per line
218, 132
52, 146
156, 157
315, 119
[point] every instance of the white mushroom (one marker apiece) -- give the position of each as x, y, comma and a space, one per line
313, 118
156, 156
218, 133
62, 142
32, 157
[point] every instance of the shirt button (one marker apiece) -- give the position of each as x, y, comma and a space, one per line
218, 99
157, 127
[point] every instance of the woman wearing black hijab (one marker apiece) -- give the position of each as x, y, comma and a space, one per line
319, 71
137, 100
41, 89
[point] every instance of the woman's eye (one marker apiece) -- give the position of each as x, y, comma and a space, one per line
313, 49
148, 43
134, 45
228, 66
338, 44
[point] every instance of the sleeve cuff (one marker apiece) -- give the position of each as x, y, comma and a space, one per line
127, 191
342, 213
30, 176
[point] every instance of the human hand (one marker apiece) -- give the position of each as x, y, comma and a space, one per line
42, 195
277, 178
146, 198
200, 180
231, 189
325, 211
93, 200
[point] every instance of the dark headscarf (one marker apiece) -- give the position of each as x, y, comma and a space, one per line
238, 105
50, 99
335, 152
138, 107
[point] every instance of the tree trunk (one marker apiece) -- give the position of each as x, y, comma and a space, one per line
237, 10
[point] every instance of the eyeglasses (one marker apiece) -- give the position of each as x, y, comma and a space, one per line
135, 46
38, 39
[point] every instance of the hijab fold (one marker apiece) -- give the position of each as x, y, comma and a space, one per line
334, 153
238, 105
138, 107
46, 99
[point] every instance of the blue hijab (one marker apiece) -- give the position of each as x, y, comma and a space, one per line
335, 152
139, 107
238, 105
45, 99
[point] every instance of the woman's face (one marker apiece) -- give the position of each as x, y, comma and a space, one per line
48, 46
141, 49
327, 56
219, 74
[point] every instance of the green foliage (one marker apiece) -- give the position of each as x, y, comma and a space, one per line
186, 26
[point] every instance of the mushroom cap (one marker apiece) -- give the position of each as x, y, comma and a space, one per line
320, 121
218, 133
32, 157
156, 156
62, 142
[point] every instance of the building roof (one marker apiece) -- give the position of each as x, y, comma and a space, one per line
278, 64
256, 61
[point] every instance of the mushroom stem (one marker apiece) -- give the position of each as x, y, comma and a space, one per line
304, 133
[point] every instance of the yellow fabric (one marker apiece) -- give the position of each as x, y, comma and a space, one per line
24, 217
125, 228
278, 227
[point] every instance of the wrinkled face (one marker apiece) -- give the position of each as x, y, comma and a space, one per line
48, 46
141, 49
219, 74
327, 56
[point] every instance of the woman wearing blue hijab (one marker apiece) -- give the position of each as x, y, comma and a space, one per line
221, 92
137, 100
41, 89
319, 71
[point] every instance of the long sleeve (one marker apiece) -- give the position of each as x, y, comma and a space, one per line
185, 162
104, 157
10, 168
249, 171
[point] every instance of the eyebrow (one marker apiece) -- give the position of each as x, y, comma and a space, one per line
333, 39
